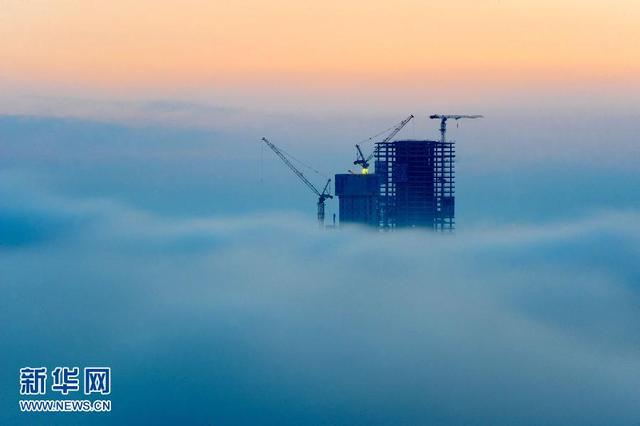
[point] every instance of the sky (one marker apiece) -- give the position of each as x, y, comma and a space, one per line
143, 225
255, 51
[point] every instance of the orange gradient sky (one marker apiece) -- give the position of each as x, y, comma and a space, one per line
187, 44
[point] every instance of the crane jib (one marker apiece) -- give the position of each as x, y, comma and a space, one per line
364, 162
297, 172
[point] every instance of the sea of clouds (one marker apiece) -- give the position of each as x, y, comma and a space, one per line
264, 319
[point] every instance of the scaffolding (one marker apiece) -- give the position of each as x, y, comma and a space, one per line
444, 186
385, 155
416, 181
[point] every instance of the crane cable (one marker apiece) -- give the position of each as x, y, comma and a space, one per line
377, 134
261, 162
303, 164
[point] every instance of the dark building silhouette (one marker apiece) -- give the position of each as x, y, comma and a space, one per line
358, 198
413, 186
417, 184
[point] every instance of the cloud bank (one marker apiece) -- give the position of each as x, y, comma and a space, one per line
266, 320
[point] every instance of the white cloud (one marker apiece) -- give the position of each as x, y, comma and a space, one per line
269, 320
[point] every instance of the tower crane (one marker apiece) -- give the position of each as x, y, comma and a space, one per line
443, 122
322, 195
364, 161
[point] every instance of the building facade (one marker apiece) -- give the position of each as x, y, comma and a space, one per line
416, 184
358, 198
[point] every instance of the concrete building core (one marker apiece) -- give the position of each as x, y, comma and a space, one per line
358, 198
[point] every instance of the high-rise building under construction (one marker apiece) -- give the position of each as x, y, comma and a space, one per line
416, 184
413, 186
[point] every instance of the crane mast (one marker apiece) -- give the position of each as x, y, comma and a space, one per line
443, 122
364, 162
322, 195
